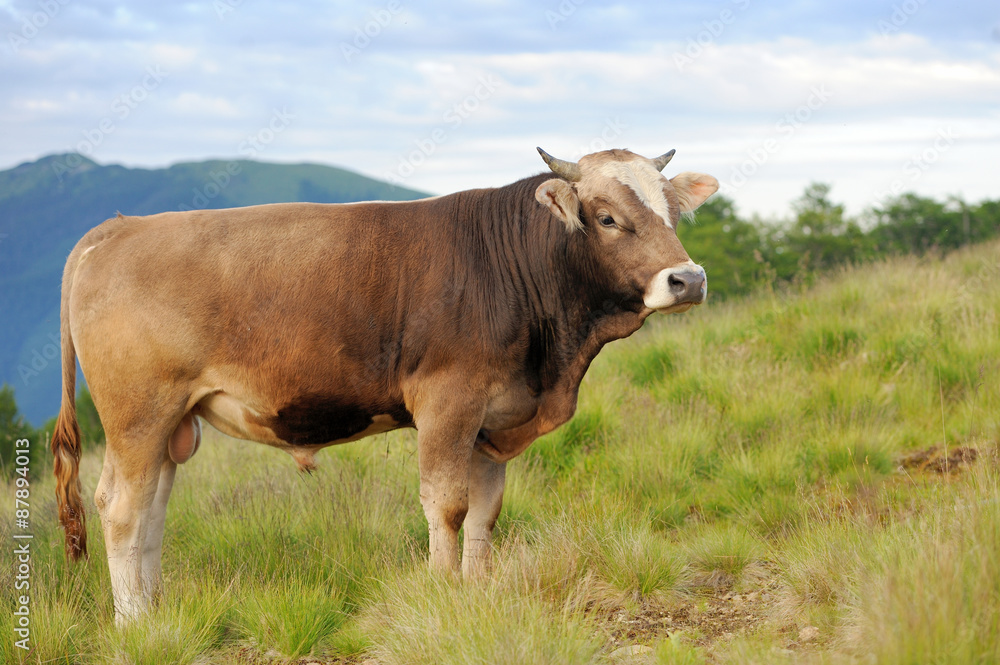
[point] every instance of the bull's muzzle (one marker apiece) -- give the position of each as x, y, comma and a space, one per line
677, 289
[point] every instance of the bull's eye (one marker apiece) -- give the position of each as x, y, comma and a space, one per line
606, 221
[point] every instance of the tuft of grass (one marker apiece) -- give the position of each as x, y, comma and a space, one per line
638, 563
173, 634
820, 568
424, 619
594, 560
293, 617
723, 553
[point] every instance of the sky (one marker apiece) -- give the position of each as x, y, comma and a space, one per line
874, 98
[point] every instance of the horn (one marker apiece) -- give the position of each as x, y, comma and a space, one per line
663, 160
568, 170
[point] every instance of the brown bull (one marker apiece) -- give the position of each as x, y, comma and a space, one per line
471, 317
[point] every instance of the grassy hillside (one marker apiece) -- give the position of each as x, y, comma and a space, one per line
46, 207
808, 477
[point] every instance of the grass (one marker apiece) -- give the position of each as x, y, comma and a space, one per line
731, 491
426, 620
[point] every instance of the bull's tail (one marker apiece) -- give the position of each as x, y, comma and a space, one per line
66, 437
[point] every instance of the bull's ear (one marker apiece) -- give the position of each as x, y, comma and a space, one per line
693, 188
559, 197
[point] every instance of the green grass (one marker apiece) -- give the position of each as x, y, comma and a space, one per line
428, 620
750, 450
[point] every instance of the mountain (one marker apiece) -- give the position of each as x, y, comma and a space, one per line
46, 206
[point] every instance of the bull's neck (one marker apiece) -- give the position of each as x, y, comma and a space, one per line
543, 273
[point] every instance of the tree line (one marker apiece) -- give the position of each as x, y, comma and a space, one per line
739, 254
742, 254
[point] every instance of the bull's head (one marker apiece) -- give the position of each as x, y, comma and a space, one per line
629, 213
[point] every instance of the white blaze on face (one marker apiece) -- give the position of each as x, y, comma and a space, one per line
645, 181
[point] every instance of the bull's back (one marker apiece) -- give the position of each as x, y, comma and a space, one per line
259, 267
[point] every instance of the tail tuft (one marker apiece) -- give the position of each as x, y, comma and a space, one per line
66, 453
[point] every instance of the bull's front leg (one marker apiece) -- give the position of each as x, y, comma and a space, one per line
446, 436
485, 500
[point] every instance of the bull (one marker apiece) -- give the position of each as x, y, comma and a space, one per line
471, 317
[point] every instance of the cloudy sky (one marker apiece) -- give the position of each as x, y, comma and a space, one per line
872, 97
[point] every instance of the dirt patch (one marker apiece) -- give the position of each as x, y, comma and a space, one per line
704, 616
937, 459
704, 619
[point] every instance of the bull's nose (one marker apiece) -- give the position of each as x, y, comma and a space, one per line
687, 286
676, 289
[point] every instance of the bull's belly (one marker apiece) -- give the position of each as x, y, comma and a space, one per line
308, 424
300, 428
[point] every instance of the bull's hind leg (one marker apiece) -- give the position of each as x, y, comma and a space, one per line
183, 444
132, 498
486, 485
152, 543
125, 495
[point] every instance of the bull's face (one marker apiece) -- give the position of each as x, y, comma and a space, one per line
629, 213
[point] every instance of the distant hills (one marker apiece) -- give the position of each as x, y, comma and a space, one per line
46, 206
